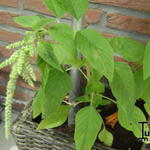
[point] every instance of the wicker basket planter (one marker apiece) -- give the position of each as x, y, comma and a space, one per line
28, 138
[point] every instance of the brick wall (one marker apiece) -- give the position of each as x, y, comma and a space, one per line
110, 17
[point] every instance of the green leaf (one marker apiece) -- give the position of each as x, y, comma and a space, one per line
106, 137
63, 45
137, 116
104, 102
147, 106
87, 125
96, 100
124, 115
55, 119
96, 49
127, 48
45, 51
37, 103
129, 118
94, 84
140, 84
146, 68
84, 98
146, 94
76, 8
146, 98
42, 23
39, 99
123, 84
57, 86
56, 6
26, 21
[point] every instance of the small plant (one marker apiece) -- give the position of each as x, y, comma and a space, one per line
88, 52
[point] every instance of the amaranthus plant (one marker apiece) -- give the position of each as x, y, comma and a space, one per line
61, 48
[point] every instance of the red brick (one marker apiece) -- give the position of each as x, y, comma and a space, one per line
11, 3
4, 76
17, 106
128, 23
5, 52
38, 6
108, 35
143, 5
8, 36
92, 16
18, 93
7, 18
37, 73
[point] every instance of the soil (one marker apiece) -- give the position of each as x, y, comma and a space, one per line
123, 139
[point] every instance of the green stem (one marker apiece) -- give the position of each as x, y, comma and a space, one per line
72, 104
84, 74
75, 76
108, 99
92, 95
68, 69
58, 20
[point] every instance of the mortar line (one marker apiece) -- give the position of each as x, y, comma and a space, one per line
122, 10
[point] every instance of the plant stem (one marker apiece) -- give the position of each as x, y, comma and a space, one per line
72, 104
109, 99
68, 68
75, 76
84, 74
91, 101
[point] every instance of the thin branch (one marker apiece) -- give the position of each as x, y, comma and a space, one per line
109, 99
84, 74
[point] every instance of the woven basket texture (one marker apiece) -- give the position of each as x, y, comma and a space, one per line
28, 138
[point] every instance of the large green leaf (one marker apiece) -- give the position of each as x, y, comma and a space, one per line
63, 44
76, 8
146, 98
129, 118
27, 21
137, 116
146, 61
124, 115
55, 119
40, 98
97, 51
87, 125
42, 23
37, 103
127, 48
140, 84
36, 22
84, 98
56, 6
45, 51
123, 84
57, 86
106, 137
147, 106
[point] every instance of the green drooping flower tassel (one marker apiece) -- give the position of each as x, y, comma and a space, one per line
8, 104
21, 67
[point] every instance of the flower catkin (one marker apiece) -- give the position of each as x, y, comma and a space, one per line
8, 104
20, 67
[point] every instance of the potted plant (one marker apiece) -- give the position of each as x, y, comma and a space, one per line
113, 97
